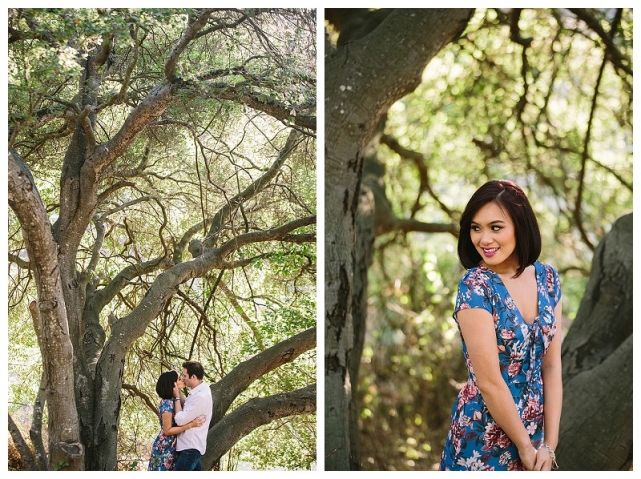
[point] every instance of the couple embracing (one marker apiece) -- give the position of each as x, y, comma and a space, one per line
184, 421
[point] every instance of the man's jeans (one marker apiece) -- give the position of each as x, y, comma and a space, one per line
188, 460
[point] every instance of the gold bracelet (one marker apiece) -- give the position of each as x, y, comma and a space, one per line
552, 456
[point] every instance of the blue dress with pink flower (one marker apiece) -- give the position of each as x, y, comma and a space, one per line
163, 451
475, 441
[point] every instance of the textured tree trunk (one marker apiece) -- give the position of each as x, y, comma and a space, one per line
596, 424
364, 251
377, 65
65, 448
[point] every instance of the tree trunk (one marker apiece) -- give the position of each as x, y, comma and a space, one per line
364, 251
65, 448
364, 76
22, 446
596, 424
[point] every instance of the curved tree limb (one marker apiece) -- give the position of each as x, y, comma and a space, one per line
261, 236
138, 393
189, 34
225, 391
22, 446
105, 295
253, 414
421, 165
261, 102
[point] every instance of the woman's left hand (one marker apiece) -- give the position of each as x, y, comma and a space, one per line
543, 460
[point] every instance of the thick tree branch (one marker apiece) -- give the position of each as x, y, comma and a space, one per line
267, 235
189, 34
225, 391
408, 225
106, 294
253, 414
22, 446
262, 102
158, 99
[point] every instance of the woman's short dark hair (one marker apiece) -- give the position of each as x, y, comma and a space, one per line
511, 199
165, 384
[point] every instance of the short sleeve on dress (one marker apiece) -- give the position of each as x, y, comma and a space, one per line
474, 292
553, 284
166, 405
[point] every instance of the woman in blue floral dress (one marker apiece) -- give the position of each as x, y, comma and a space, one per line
163, 451
508, 312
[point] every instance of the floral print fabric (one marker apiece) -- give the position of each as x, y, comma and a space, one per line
475, 441
163, 451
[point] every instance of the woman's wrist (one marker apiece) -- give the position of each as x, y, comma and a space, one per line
525, 444
553, 443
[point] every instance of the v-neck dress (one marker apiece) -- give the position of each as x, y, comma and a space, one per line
475, 441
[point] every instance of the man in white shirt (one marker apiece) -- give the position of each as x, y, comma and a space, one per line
191, 443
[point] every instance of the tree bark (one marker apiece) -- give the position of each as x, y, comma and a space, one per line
65, 448
364, 76
22, 446
596, 424
364, 252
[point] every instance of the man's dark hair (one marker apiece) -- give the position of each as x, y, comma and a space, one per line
511, 199
165, 384
194, 368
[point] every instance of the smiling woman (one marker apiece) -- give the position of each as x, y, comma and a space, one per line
507, 310
492, 234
